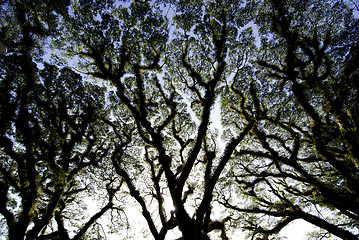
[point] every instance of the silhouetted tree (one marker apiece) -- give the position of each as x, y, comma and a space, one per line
211, 115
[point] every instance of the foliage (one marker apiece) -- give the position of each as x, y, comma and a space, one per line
51, 136
126, 111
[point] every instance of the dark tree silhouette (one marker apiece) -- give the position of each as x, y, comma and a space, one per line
212, 116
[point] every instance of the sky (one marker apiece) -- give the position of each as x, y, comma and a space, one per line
297, 230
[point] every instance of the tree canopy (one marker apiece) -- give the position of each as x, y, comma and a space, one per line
197, 119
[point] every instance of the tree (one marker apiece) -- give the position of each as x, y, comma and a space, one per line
303, 162
172, 149
50, 135
288, 121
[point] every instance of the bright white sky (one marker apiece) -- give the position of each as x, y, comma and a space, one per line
297, 230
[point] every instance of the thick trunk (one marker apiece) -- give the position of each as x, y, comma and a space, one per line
17, 231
